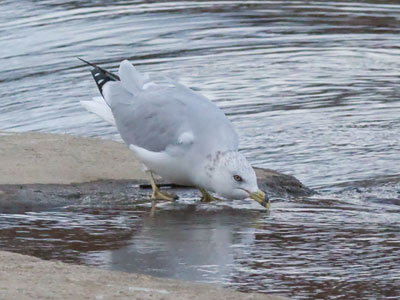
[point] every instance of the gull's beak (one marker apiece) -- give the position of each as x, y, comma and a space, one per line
261, 198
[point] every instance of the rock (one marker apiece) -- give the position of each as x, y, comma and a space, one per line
281, 185
32, 158
39, 158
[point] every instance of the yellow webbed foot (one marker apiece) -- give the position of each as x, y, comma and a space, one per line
207, 197
163, 195
156, 191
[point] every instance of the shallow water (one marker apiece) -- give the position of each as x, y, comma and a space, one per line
313, 90
341, 245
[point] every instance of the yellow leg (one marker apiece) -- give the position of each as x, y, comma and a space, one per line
268, 206
207, 197
156, 191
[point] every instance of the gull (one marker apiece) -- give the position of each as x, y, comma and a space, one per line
176, 133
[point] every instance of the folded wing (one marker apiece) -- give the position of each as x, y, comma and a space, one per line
155, 116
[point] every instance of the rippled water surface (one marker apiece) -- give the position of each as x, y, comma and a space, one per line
313, 90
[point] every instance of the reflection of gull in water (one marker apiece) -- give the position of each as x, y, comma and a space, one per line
185, 245
176, 133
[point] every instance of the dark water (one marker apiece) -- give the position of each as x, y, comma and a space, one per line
313, 90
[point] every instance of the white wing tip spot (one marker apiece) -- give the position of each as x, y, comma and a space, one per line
186, 138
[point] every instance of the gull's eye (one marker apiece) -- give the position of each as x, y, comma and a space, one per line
237, 178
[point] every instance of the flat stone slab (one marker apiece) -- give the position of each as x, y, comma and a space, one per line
40, 158
29, 158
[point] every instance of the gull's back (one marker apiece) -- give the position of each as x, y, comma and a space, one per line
156, 117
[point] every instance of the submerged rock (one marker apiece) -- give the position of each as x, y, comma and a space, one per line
281, 185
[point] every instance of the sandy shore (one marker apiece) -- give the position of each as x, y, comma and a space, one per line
25, 277
39, 170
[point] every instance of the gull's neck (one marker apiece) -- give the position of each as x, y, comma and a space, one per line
204, 174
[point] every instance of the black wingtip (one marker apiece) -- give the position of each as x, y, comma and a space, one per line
89, 63
101, 76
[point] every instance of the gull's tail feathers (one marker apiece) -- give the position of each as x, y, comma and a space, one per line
100, 107
131, 79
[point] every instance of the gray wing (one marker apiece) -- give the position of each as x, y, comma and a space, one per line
156, 118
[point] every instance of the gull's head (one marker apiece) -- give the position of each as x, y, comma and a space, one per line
231, 176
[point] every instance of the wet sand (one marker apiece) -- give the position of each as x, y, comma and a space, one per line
40, 170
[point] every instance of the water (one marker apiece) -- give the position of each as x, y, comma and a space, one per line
313, 90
